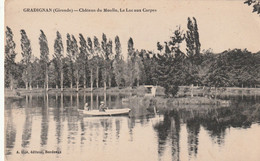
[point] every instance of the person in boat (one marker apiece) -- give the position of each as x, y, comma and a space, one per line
86, 107
102, 106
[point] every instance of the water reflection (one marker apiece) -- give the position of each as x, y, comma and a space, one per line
10, 131
117, 129
55, 120
215, 121
45, 121
193, 129
27, 128
169, 129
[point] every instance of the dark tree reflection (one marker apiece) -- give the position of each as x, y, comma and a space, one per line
169, 129
27, 129
214, 120
58, 115
193, 129
118, 127
10, 132
175, 136
45, 121
106, 124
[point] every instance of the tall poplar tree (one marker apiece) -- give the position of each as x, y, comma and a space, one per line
10, 54
91, 64
104, 45
96, 58
107, 66
26, 60
118, 63
129, 69
44, 58
193, 50
83, 59
58, 56
70, 60
110, 62
75, 58
192, 40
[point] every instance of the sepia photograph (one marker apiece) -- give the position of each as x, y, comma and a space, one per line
139, 80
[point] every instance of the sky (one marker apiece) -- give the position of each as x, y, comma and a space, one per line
222, 24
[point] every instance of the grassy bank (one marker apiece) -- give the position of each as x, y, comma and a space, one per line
202, 91
162, 103
141, 91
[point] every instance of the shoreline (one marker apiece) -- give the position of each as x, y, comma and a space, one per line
184, 91
127, 91
200, 99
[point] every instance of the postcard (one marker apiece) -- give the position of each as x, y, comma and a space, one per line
139, 80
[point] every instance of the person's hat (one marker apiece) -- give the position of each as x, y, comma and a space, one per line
102, 102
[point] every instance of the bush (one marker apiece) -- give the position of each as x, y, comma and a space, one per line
171, 90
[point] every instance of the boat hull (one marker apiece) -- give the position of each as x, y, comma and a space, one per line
108, 112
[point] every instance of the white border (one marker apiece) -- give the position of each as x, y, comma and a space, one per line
2, 79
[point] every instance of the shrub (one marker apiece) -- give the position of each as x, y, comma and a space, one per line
171, 90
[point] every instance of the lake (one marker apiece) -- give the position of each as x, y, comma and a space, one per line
52, 127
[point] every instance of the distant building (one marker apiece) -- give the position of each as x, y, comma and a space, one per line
151, 90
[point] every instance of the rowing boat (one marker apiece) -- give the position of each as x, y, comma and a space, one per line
107, 112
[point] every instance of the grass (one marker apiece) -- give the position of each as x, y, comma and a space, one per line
141, 91
162, 103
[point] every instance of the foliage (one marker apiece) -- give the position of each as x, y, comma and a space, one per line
192, 41
234, 68
75, 60
149, 74
138, 72
58, 59
118, 63
71, 59
96, 60
106, 59
37, 78
44, 59
255, 4
26, 60
83, 59
171, 71
10, 54
88, 62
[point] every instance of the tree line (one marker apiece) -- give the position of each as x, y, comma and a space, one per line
93, 63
